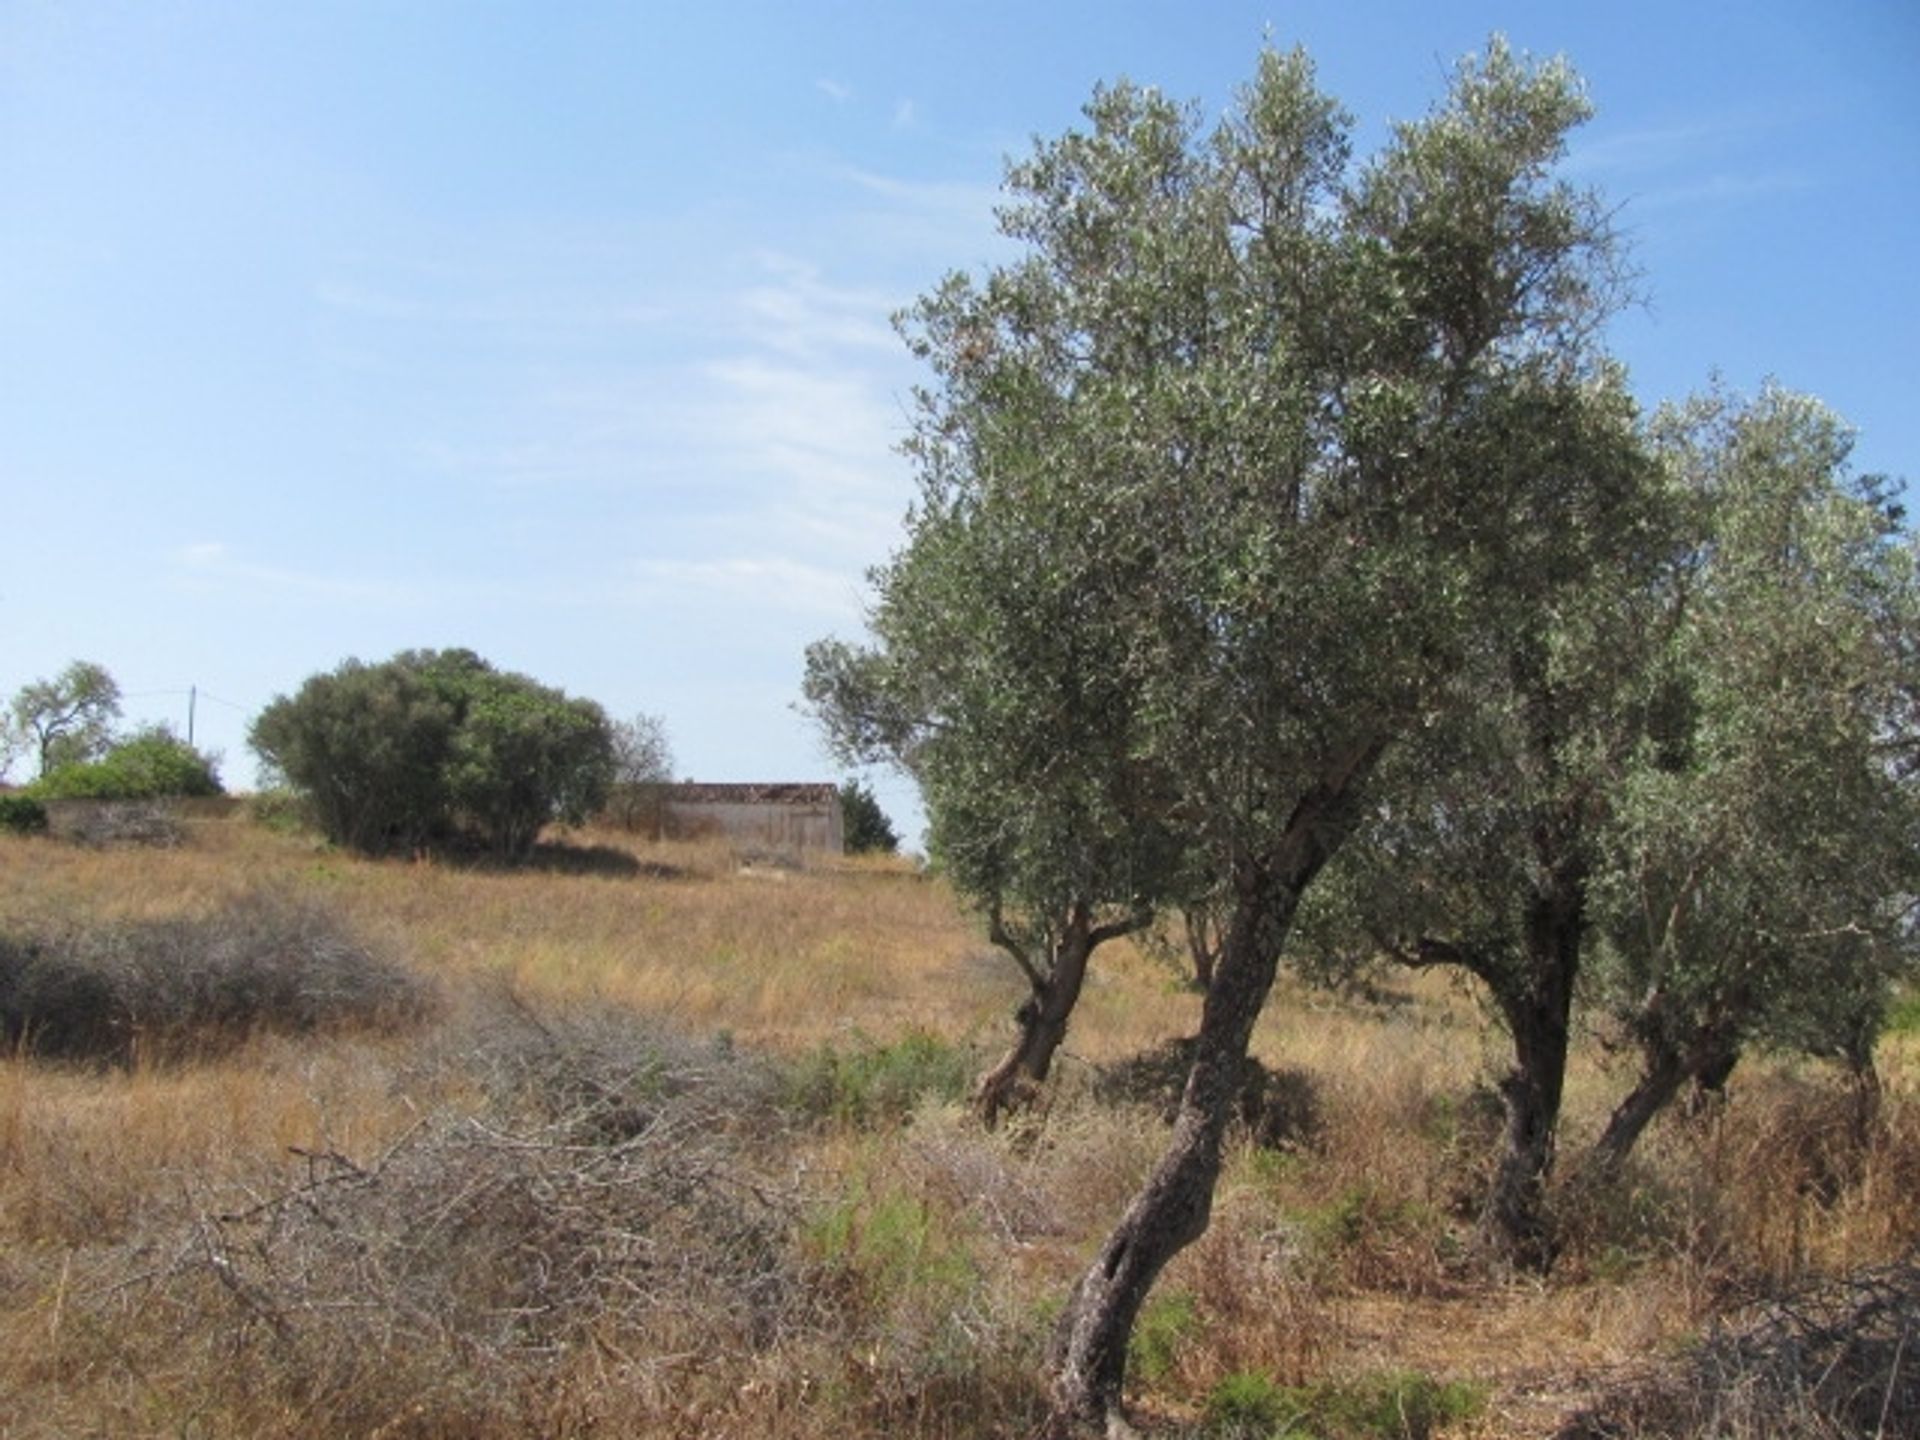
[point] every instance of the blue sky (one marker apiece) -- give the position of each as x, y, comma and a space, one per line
560, 330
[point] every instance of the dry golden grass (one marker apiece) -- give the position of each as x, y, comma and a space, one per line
913, 1260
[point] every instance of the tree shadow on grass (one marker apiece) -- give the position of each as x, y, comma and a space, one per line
554, 857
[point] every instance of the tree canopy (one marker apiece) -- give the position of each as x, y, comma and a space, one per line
1758, 869
864, 823
432, 747
642, 766
66, 720
1226, 486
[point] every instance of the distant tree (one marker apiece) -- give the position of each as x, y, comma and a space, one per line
22, 815
1756, 882
69, 719
431, 746
524, 755
864, 823
365, 747
153, 763
642, 766
1480, 854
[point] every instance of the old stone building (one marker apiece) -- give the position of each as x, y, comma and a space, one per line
776, 816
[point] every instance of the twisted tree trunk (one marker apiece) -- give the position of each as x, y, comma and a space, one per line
1538, 1006
1706, 1062
1054, 986
1659, 1082
1087, 1365
1055, 990
1090, 1347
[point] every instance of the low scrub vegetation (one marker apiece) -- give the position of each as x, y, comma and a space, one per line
605, 1203
867, 1082
266, 961
426, 1150
1394, 1405
22, 815
148, 765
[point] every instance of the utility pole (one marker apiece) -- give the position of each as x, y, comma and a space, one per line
193, 696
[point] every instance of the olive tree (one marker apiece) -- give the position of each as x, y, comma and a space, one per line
364, 746
523, 755
1013, 737
67, 720
1253, 452
1758, 873
1480, 853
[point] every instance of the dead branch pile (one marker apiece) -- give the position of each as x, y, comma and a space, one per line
600, 1208
1831, 1359
269, 960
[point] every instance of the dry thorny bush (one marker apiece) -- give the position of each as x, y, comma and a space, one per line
599, 1201
1825, 1360
266, 961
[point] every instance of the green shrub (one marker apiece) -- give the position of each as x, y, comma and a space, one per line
152, 765
891, 1244
278, 810
1390, 1405
1904, 1016
1247, 1404
436, 747
22, 815
1166, 1323
1364, 1226
870, 1083
863, 823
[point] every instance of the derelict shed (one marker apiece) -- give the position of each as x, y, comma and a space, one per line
780, 815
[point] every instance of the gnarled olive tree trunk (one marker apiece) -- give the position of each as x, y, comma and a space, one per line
1538, 1007
1665, 1069
1513, 1226
1087, 1364
1054, 983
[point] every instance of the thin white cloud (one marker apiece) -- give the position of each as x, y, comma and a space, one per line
821, 440
362, 301
1706, 163
834, 90
771, 583
971, 199
795, 311
905, 112
211, 564
767, 430
1719, 190
946, 222
526, 314
1658, 147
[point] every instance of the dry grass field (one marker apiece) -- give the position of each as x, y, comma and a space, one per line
647, 1142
